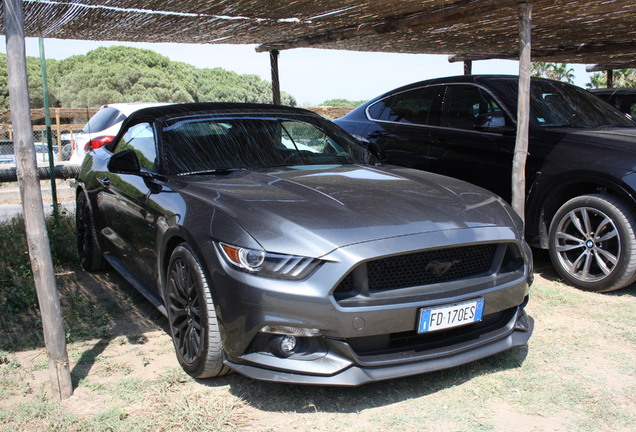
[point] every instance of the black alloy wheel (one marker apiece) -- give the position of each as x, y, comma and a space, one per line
592, 243
193, 324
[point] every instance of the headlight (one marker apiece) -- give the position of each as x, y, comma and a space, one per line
269, 264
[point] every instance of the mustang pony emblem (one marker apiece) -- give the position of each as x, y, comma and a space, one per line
440, 268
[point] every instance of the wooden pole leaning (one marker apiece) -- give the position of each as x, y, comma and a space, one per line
523, 111
31, 195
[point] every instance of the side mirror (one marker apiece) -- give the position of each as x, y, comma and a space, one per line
125, 162
491, 122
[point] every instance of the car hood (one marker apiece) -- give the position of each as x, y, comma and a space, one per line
313, 210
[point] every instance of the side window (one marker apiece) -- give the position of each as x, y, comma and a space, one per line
141, 139
463, 104
410, 107
306, 137
628, 105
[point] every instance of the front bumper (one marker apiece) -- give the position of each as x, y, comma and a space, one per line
369, 337
358, 372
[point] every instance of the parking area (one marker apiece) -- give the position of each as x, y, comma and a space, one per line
577, 374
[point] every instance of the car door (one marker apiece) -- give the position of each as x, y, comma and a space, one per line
128, 208
474, 140
402, 122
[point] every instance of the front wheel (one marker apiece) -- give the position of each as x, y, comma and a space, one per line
192, 317
592, 243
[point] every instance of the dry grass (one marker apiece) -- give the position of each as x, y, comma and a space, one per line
577, 374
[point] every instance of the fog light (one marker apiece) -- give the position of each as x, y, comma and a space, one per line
283, 346
292, 331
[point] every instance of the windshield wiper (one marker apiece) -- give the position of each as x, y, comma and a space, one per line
211, 171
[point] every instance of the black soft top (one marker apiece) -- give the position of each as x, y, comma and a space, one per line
213, 108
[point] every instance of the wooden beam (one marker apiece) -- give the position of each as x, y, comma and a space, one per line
613, 66
523, 111
610, 78
31, 195
451, 13
600, 48
455, 58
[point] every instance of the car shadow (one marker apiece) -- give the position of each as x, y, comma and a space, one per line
133, 316
544, 268
627, 291
130, 316
280, 397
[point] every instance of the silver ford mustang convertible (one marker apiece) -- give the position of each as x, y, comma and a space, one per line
278, 248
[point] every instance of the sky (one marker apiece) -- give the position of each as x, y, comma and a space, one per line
312, 76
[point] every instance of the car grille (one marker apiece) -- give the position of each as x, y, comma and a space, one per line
429, 267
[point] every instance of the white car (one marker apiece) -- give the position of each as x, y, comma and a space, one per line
102, 127
7, 156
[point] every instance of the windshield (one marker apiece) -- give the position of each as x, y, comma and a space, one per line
205, 145
557, 104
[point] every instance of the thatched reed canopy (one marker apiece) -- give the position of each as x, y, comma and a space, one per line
572, 31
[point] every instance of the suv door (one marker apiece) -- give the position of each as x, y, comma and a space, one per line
473, 140
403, 121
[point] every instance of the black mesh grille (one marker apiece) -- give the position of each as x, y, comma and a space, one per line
430, 267
424, 268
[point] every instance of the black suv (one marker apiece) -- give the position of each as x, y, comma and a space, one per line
581, 179
623, 98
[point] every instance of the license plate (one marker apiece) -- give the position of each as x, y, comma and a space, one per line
454, 315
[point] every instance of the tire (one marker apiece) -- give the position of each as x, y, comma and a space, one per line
592, 243
90, 253
192, 318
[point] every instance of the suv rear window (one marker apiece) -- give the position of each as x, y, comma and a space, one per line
103, 119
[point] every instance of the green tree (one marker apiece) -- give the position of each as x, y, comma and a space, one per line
219, 85
621, 78
34, 78
122, 74
554, 71
127, 74
342, 103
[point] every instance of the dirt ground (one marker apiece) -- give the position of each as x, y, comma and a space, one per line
519, 396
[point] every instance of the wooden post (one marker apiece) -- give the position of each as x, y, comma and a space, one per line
273, 58
610, 78
31, 195
523, 111
468, 67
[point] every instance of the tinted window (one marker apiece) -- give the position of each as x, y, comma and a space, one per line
141, 139
411, 107
626, 103
553, 103
103, 119
199, 145
463, 104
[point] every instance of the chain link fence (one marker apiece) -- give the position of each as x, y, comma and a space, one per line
65, 124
